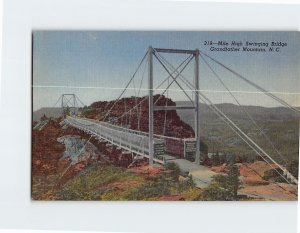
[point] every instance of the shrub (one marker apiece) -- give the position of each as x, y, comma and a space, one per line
174, 170
150, 190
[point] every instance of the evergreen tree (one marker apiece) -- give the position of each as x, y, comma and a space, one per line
215, 159
233, 180
44, 117
293, 168
223, 187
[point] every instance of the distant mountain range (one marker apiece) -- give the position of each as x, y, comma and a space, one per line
206, 113
238, 113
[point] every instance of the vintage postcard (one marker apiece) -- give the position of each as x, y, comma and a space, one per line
165, 115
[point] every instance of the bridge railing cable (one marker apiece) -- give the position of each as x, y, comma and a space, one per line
118, 136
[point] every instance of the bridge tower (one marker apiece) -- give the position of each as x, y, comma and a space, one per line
152, 52
68, 104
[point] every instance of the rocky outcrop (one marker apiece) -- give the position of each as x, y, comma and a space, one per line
166, 123
46, 150
138, 118
48, 153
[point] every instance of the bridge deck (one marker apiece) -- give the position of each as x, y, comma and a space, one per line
127, 139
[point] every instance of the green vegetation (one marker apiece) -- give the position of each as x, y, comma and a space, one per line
91, 184
152, 189
223, 187
283, 134
279, 124
115, 183
43, 118
87, 112
165, 183
276, 173
294, 168
173, 169
215, 159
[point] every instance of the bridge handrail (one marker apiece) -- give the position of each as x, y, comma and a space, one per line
121, 135
131, 130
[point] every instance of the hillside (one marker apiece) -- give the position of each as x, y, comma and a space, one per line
235, 112
49, 112
279, 124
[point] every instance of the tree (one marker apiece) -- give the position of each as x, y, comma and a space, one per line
215, 159
224, 187
174, 170
233, 180
276, 174
293, 168
44, 117
203, 147
66, 111
216, 191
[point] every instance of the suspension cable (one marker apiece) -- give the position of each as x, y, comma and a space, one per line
175, 70
57, 101
126, 86
249, 116
247, 140
246, 137
138, 110
77, 98
178, 74
165, 118
174, 78
253, 84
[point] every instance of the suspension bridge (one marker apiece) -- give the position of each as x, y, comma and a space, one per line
157, 147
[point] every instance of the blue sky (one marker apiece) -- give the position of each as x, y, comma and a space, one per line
97, 65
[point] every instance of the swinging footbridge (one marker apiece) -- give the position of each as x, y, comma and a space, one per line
137, 142
159, 148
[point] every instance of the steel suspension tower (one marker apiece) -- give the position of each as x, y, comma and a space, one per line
152, 52
68, 104
151, 109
